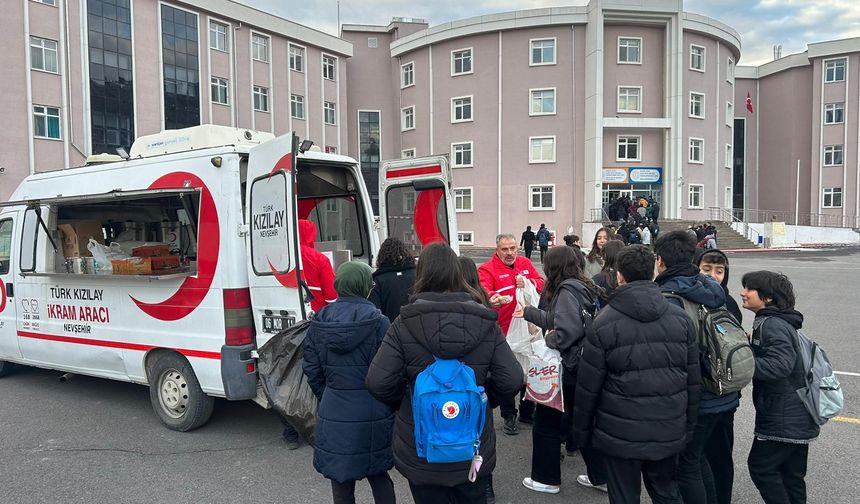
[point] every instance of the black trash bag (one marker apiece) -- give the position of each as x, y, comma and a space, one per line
279, 366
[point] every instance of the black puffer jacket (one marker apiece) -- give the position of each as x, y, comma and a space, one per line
392, 289
448, 326
565, 317
638, 384
779, 413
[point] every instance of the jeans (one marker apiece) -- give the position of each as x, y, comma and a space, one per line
464, 493
543, 249
778, 470
623, 477
380, 484
718, 453
697, 477
529, 252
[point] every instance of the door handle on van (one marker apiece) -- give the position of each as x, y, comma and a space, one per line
10, 290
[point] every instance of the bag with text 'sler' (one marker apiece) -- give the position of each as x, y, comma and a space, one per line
449, 410
543, 377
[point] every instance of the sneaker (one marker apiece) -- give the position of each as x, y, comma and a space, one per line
583, 480
511, 428
292, 441
540, 487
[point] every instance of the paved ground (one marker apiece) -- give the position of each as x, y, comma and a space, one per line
97, 441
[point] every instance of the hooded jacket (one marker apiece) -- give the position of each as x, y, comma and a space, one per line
393, 287
499, 278
731, 304
637, 390
316, 268
448, 326
686, 281
353, 432
779, 413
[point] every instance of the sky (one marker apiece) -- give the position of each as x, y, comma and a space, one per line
761, 23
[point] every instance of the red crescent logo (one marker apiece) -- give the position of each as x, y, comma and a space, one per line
285, 163
287, 279
426, 222
2, 296
192, 291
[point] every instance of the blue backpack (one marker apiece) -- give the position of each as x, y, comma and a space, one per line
449, 410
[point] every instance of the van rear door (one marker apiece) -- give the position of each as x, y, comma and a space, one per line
274, 266
8, 302
416, 203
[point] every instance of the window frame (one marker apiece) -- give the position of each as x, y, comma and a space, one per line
834, 108
541, 208
213, 23
542, 161
329, 61
690, 107
471, 163
638, 147
301, 57
701, 196
701, 150
730, 71
454, 108
330, 109
833, 192
411, 150
410, 64
471, 50
835, 62
259, 91
45, 50
532, 113
374, 44
618, 50
554, 51
833, 151
43, 118
300, 102
618, 100
404, 118
703, 58
471, 191
470, 241
730, 114
729, 155
7, 268
255, 46
49, 3
226, 87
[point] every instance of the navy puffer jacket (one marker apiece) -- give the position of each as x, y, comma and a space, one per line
353, 433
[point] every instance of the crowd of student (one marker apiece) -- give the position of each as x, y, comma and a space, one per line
634, 405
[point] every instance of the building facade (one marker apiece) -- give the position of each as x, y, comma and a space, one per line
89, 76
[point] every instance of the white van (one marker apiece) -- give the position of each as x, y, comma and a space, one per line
217, 209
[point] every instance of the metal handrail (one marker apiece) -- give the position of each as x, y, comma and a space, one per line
727, 216
804, 219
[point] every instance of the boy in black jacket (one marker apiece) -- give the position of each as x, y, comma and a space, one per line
638, 384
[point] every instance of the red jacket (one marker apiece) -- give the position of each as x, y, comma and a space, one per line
316, 268
499, 278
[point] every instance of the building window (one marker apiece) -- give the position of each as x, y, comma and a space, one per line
730, 114
730, 71
260, 47
833, 155
463, 199
461, 155
217, 36
46, 122
834, 71
330, 113
542, 52
372, 42
181, 67
729, 157
219, 91
297, 106
297, 58
111, 87
696, 193
261, 99
466, 237
628, 148
329, 64
832, 197
461, 109
697, 58
461, 62
330, 149
834, 113
368, 153
697, 105
52, 3
697, 150
629, 98
542, 149
43, 54
407, 75
542, 101
630, 50
407, 118
542, 197
407, 153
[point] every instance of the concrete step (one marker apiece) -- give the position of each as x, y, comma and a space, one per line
727, 237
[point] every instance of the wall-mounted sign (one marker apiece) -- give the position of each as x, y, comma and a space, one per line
633, 175
615, 175
646, 175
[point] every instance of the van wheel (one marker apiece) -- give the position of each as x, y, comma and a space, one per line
175, 393
6, 368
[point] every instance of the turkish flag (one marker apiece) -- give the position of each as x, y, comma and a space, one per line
749, 103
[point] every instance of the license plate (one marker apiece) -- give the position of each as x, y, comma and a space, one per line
275, 324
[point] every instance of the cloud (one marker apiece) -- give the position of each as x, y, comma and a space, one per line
761, 23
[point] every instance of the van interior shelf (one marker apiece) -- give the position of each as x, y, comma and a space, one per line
170, 276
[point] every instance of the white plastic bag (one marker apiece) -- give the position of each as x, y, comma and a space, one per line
543, 376
521, 334
103, 255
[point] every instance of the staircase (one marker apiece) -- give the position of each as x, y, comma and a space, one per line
727, 238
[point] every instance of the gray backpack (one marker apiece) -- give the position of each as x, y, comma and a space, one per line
821, 392
728, 364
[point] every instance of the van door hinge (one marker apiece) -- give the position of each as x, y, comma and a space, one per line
243, 230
